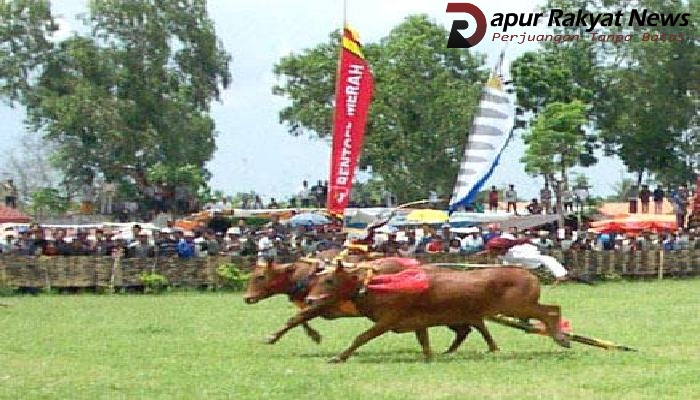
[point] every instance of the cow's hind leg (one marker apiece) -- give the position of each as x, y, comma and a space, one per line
550, 316
424, 340
364, 337
461, 332
481, 327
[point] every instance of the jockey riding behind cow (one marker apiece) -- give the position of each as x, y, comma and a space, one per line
523, 252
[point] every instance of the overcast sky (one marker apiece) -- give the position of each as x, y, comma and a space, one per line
254, 150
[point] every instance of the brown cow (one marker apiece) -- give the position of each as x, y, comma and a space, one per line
296, 279
456, 298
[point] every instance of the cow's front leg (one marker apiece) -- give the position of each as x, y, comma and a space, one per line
312, 333
300, 318
424, 340
378, 329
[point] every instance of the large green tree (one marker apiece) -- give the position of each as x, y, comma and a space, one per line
556, 140
649, 101
25, 29
134, 93
421, 110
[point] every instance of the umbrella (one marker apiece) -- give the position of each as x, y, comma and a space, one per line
427, 216
308, 219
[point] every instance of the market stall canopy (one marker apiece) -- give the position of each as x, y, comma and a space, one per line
636, 223
8, 214
309, 219
427, 216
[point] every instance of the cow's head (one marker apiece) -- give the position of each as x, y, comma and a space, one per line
332, 286
267, 280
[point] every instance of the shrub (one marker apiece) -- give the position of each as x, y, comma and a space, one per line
153, 283
232, 277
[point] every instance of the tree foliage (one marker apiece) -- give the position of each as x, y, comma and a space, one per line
421, 110
650, 99
25, 29
132, 95
644, 94
556, 139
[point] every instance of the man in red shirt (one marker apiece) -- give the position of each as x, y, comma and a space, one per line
493, 199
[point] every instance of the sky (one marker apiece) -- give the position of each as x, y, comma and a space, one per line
254, 151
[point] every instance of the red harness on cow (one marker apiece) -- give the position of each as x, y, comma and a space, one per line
411, 280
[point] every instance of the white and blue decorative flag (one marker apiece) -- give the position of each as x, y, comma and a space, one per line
491, 130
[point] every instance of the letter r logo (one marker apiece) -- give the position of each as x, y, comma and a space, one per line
456, 40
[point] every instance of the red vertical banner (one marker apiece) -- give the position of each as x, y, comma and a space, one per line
353, 94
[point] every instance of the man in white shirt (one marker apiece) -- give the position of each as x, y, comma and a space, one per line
266, 247
511, 199
305, 195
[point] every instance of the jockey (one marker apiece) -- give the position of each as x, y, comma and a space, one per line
523, 252
368, 239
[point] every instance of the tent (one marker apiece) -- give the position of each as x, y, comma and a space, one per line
8, 214
635, 224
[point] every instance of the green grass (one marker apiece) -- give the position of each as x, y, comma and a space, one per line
208, 345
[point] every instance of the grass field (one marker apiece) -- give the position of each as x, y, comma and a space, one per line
208, 345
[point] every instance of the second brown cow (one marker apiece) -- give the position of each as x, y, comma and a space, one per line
456, 298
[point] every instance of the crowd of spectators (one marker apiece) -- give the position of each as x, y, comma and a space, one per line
277, 239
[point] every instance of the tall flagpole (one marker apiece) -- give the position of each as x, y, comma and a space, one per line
345, 13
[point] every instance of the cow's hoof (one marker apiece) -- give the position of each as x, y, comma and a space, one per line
336, 360
562, 340
270, 339
494, 350
316, 338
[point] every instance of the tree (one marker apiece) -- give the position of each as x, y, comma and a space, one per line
30, 165
422, 107
132, 95
649, 96
555, 141
25, 28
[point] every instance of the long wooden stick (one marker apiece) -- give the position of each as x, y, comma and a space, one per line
529, 328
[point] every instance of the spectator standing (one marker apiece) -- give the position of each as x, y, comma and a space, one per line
232, 242
266, 246
273, 203
88, 197
534, 208
324, 193
142, 248
493, 199
473, 243
644, 198
511, 197
318, 194
632, 197
213, 246
305, 195
166, 246
567, 197
185, 245
680, 205
546, 198
658, 196
8, 247
258, 204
